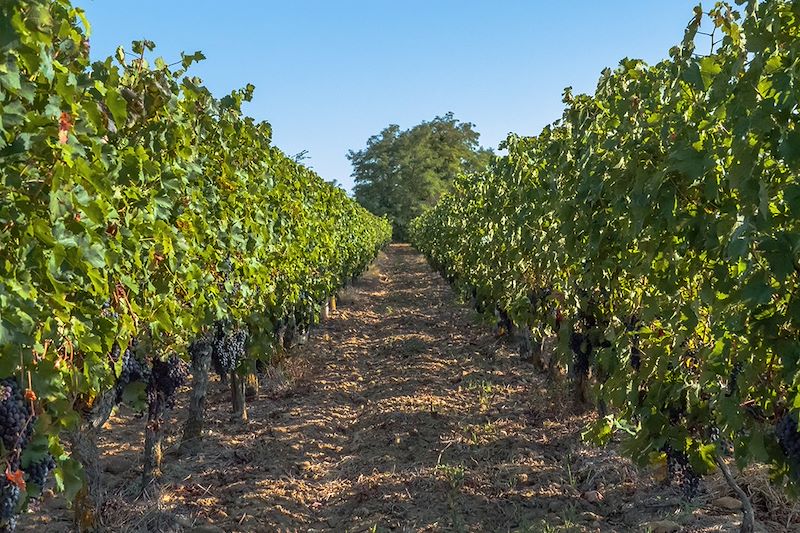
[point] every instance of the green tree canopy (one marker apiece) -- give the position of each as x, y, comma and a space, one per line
401, 173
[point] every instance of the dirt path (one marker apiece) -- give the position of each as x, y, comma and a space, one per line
408, 420
402, 413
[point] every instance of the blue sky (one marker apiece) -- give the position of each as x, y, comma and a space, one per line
329, 74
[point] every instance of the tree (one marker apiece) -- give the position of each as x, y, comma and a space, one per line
401, 173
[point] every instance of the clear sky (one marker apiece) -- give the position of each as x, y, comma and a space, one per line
331, 73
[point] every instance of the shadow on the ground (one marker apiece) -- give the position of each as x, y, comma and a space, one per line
409, 417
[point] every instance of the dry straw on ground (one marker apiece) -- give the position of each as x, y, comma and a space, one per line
402, 413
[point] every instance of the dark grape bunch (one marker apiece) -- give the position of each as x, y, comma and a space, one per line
16, 426
680, 472
16, 420
632, 325
132, 371
107, 311
636, 355
38, 472
733, 379
789, 440
10, 495
115, 352
581, 351
477, 302
303, 331
229, 348
166, 378
714, 435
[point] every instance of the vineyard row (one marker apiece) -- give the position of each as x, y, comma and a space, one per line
145, 227
654, 232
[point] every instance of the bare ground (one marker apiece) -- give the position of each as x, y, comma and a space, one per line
402, 413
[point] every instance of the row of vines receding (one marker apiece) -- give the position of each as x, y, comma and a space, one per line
654, 231
148, 231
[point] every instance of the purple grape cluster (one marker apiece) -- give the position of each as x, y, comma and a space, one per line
16, 420
107, 311
199, 348
10, 495
38, 472
16, 427
166, 378
789, 439
581, 352
680, 472
115, 352
229, 348
733, 379
132, 371
633, 324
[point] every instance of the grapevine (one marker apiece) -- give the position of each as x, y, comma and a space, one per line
665, 208
136, 204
